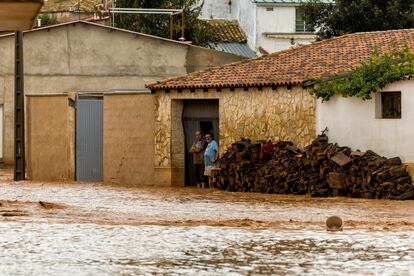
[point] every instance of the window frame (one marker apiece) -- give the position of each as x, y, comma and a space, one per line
381, 105
299, 19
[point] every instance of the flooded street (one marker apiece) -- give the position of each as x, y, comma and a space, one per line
89, 229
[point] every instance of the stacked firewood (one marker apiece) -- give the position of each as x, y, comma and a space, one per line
320, 169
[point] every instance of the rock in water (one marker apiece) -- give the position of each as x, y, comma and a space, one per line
334, 223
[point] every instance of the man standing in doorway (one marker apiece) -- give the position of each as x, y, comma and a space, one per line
210, 158
197, 149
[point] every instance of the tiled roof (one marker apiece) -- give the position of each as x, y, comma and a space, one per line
289, 1
295, 65
225, 31
70, 5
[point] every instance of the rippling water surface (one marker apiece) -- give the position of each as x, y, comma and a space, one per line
90, 249
93, 229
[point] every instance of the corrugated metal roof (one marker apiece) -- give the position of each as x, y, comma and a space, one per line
241, 49
288, 1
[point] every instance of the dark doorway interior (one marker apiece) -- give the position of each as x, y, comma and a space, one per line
206, 127
200, 115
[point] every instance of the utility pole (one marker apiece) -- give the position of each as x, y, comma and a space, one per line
19, 151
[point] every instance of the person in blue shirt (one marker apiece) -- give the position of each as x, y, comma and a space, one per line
210, 158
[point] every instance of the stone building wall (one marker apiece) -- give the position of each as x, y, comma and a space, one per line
276, 114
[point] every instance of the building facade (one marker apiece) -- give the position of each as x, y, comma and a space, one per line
259, 99
83, 56
280, 106
382, 124
269, 25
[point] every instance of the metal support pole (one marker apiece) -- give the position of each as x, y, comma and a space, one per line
113, 14
171, 26
182, 26
19, 152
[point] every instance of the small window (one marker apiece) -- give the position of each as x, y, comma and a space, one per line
269, 9
301, 26
391, 105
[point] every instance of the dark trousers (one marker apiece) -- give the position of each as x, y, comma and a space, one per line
199, 173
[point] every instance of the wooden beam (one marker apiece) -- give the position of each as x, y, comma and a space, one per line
18, 15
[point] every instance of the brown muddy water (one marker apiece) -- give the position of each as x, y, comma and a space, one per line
95, 229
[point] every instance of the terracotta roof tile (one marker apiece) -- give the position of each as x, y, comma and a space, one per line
70, 5
295, 65
225, 31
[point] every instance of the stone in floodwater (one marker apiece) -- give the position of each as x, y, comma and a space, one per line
334, 223
48, 205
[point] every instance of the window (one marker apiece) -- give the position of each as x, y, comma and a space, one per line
391, 105
269, 9
301, 26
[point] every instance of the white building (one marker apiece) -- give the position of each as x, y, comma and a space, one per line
270, 25
383, 124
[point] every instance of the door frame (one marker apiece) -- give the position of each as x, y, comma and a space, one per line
199, 119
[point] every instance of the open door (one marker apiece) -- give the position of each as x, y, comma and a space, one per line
200, 115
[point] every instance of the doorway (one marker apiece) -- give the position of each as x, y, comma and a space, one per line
200, 115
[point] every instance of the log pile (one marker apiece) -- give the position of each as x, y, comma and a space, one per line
321, 169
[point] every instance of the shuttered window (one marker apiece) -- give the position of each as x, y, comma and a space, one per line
391, 105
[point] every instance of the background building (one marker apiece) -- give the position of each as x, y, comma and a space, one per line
269, 25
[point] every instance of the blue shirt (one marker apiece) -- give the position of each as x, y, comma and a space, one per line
210, 153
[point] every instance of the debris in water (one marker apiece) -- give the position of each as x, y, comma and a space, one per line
48, 205
334, 223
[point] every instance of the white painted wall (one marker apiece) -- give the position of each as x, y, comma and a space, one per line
255, 20
273, 44
219, 9
245, 11
351, 122
281, 20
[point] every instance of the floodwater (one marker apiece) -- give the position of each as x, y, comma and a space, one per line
90, 229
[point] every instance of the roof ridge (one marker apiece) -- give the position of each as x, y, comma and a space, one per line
323, 41
315, 46
300, 47
381, 31
237, 63
294, 65
106, 27
201, 72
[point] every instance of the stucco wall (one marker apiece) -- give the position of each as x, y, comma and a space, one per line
352, 122
82, 56
282, 20
50, 138
129, 139
218, 9
279, 114
246, 14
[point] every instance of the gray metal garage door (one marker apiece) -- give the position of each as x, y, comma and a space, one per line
89, 138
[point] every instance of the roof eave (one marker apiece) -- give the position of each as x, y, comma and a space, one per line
154, 88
